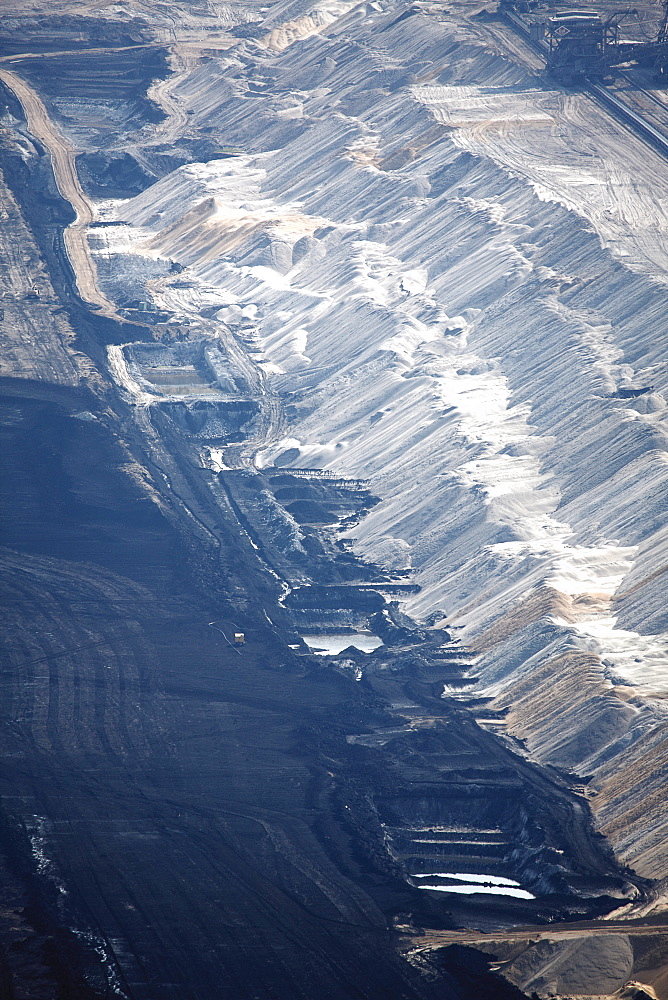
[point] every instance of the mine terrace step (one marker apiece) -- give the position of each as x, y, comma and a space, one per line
345, 595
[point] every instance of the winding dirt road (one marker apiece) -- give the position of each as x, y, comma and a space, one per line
21, 56
440, 939
63, 159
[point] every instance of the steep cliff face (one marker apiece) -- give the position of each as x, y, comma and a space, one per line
457, 278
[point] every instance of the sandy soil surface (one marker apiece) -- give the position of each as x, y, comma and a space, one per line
63, 157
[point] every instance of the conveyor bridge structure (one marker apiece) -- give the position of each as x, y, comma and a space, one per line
581, 44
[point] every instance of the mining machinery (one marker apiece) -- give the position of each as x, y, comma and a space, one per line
659, 57
581, 44
584, 44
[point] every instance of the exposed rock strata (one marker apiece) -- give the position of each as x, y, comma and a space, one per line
467, 308
400, 230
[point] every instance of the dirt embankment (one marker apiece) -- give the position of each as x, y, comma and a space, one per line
63, 158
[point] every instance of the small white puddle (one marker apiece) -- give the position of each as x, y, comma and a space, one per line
216, 459
480, 879
490, 884
332, 644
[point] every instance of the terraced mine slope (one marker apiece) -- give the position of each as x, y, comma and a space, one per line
333, 411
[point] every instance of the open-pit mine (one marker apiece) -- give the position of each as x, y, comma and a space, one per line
334, 427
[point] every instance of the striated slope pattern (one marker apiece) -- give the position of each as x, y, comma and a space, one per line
457, 278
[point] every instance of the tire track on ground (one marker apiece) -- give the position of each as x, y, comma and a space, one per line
63, 161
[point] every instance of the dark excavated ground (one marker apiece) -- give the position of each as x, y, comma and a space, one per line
179, 819
163, 796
